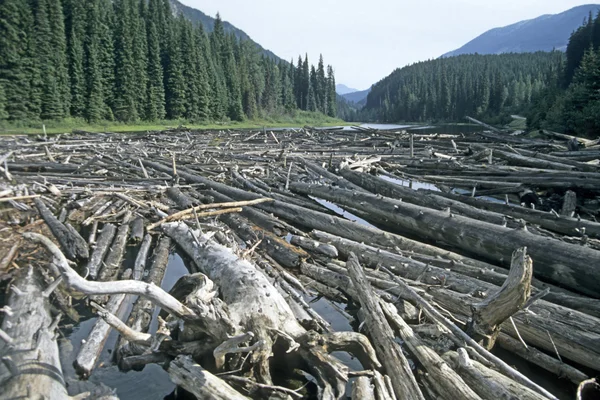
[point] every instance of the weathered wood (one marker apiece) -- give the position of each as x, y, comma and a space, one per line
89, 352
314, 246
112, 264
30, 365
498, 307
101, 248
74, 246
488, 384
569, 204
388, 350
184, 372
76, 282
136, 230
143, 309
572, 266
541, 359
179, 198
442, 378
362, 389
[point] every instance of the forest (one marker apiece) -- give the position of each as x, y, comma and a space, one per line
134, 60
571, 103
448, 89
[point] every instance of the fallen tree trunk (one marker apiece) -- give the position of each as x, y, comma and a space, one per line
102, 245
396, 365
184, 372
574, 333
74, 246
31, 365
572, 266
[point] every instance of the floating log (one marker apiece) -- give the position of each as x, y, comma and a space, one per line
394, 361
101, 248
74, 246
559, 262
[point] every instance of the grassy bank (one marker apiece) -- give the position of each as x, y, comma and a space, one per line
297, 119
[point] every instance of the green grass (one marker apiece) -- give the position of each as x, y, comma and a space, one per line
297, 119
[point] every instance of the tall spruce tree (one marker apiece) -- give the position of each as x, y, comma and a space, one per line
332, 94
3, 113
94, 106
155, 98
75, 27
126, 96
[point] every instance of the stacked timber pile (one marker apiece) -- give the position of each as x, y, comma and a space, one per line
444, 248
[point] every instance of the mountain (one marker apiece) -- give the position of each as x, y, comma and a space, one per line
358, 97
198, 17
544, 33
342, 89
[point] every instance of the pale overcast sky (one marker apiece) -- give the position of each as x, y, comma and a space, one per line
365, 40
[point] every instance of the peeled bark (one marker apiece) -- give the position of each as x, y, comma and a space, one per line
31, 365
102, 245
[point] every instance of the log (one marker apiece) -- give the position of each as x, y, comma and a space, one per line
429, 199
179, 198
362, 389
570, 329
488, 383
136, 230
184, 372
102, 245
74, 246
89, 352
143, 309
28, 346
541, 359
314, 246
388, 350
76, 282
565, 225
568, 265
569, 204
498, 307
525, 161
442, 378
112, 264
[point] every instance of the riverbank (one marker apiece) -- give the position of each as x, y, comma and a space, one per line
300, 118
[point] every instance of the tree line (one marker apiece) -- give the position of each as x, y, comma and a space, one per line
130, 60
571, 103
448, 89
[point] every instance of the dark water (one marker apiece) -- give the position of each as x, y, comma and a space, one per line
150, 383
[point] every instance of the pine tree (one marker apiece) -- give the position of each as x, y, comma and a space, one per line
59, 58
3, 113
305, 82
75, 20
15, 20
155, 105
332, 95
140, 54
175, 82
321, 87
126, 97
94, 104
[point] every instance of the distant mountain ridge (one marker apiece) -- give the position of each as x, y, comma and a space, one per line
342, 89
359, 97
198, 17
545, 33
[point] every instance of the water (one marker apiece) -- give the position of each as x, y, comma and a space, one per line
341, 212
152, 382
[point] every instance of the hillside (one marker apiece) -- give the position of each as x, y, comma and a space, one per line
544, 33
448, 89
360, 97
342, 89
198, 17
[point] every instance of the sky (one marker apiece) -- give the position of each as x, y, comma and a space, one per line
365, 40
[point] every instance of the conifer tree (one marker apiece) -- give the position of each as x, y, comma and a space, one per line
321, 87
332, 95
155, 104
126, 96
95, 107
58, 44
15, 21
3, 113
75, 19
175, 83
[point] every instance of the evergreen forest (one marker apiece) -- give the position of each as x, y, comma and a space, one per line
571, 103
134, 60
490, 87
